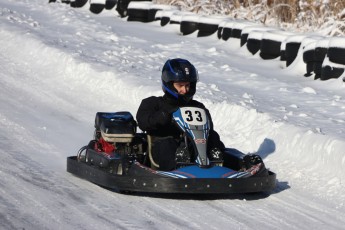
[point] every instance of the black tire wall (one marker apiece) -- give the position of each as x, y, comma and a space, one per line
319, 55
269, 49
253, 45
308, 59
188, 27
291, 51
206, 29
78, 3
110, 4
226, 34
96, 8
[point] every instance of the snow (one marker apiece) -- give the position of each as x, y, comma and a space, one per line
60, 65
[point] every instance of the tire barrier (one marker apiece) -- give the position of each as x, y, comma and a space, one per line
236, 30
289, 49
156, 10
328, 72
308, 58
320, 52
78, 3
254, 41
220, 28
334, 63
271, 43
323, 57
139, 11
121, 7
308, 48
336, 50
97, 6
208, 25
248, 29
189, 24
110, 4
226, 31
176, 18
165, 16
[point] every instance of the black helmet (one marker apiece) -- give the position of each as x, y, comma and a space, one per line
179, 70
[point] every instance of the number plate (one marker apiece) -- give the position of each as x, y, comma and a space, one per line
193, 116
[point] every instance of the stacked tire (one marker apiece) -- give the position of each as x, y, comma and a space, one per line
308, 46
236, 31
254, 41
97, 6
226, 30
155, 11
208, 25
248, 29
189, 24
139, 11
334, 64
110, 4
320, 52
289, 49
271, 44
78, 3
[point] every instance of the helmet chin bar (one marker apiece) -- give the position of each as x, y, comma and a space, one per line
181, 99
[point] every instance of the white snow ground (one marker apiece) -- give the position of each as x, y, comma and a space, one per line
60, 65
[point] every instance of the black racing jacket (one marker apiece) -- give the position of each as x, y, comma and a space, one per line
151, 107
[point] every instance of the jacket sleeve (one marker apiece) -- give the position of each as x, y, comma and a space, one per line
146, 114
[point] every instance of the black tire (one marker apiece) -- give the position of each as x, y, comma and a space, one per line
173, 22
291, 50
253, 45
140, 15
78, 3
188, 27
244, 38
206, 29
121, 8
309, 69
165, 21
110, 4
308, 59
152, 15
317, 69
226, 34
96, 8
283, 55
308, 56
320, 54
269, 49
236, 33
219, 32
329, 72
336, 55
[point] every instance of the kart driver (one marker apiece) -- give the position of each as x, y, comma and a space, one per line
179, 78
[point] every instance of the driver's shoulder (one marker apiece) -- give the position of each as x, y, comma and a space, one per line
196, 103
152, 99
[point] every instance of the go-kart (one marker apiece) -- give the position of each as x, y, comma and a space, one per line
121, 159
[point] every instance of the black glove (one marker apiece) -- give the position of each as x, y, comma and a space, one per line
251, 159
164, 115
